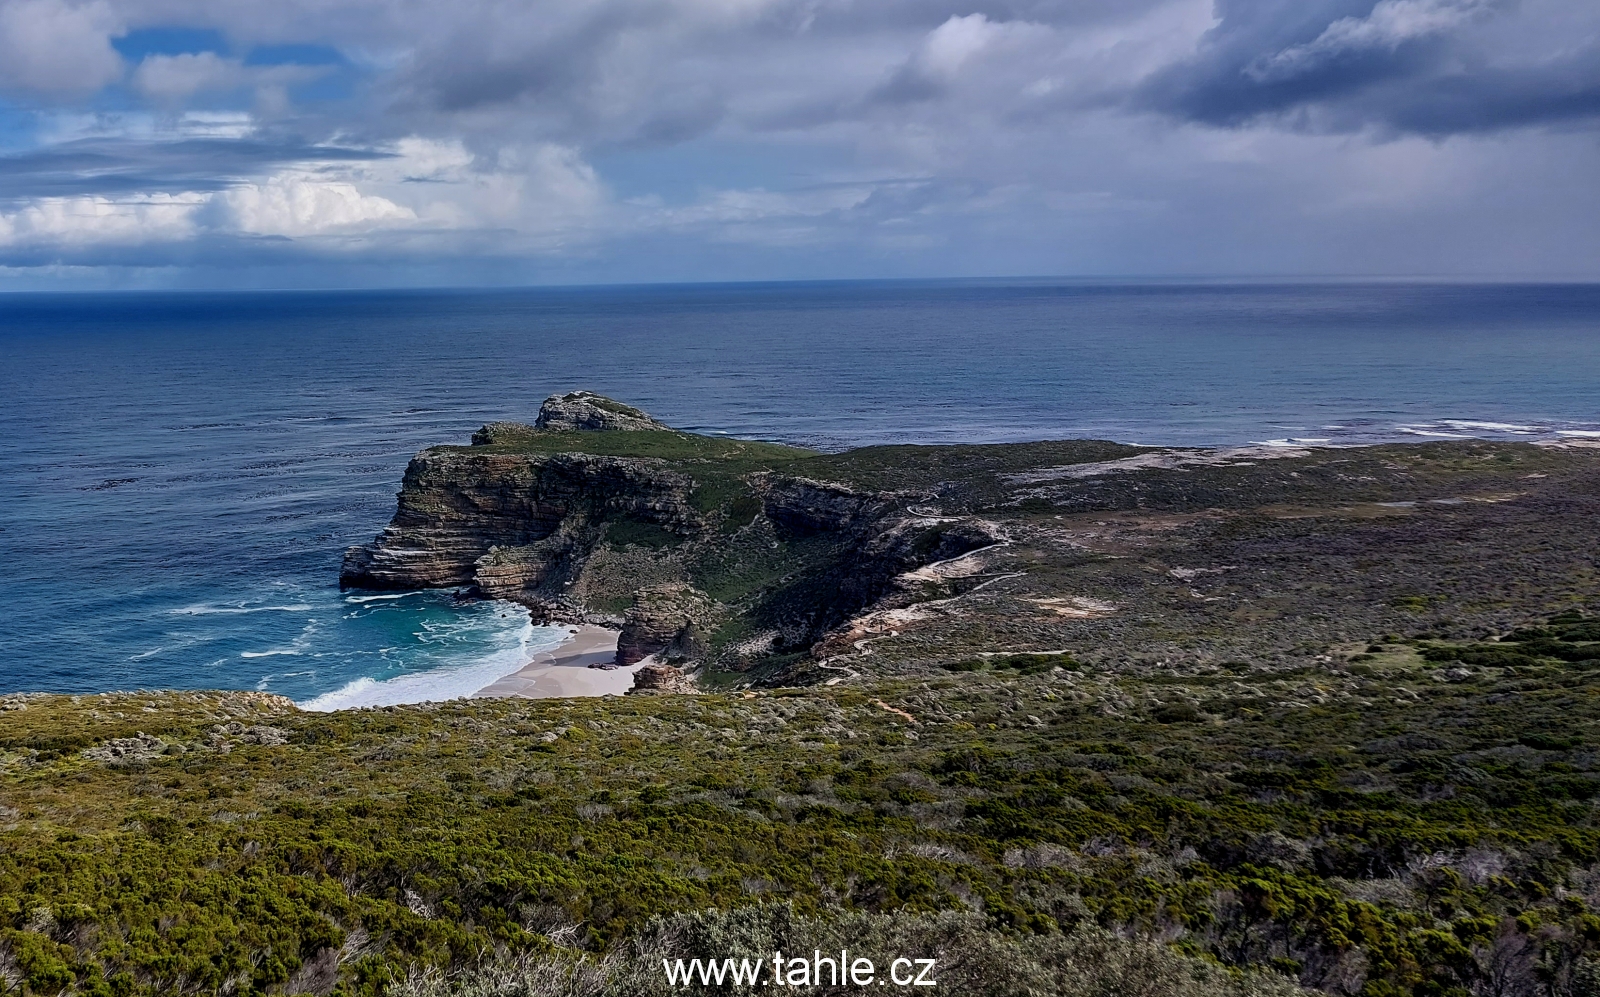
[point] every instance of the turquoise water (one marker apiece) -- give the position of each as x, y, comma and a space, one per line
179, 473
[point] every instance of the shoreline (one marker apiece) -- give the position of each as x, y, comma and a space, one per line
563, 672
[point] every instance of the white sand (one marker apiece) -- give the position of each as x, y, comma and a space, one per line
563, 672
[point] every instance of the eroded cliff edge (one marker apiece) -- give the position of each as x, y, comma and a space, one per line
690, 543
770, 563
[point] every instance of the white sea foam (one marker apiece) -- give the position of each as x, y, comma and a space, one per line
444, 683
1432, 433
1580, 433
358, 599
300, 645
1493, 427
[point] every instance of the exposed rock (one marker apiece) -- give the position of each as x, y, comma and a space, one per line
457, 504
225, 736
672, 620
661, 680
803, 507
140, 747
584, 410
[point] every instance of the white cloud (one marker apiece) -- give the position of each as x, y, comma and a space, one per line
173, 77
56, 48
101, 221
538, 197
544, 195
298, 205
948, 47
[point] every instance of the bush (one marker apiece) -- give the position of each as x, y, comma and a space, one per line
971, 959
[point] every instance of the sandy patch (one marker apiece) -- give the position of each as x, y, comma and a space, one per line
1077, 607
563, 672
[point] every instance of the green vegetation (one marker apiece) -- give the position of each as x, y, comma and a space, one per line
624, 532
1527, 647
663, 444
1409, 831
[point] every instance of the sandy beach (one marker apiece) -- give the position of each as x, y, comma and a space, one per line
564, 671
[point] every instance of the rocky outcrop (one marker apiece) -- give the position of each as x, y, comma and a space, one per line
802, 507
520, 516
583, 410
461, 510
674, 621
661, 680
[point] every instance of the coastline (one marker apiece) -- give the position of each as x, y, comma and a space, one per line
563, 671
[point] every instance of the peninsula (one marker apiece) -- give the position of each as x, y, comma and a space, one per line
745, 564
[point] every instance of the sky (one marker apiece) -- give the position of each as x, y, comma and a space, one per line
342, 143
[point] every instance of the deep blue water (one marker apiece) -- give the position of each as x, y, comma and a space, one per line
179, 473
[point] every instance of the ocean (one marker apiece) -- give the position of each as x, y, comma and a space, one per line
180, 472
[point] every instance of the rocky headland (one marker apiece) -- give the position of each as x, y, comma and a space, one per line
743, 562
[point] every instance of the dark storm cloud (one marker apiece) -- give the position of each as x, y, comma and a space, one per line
122, 166
1432, 67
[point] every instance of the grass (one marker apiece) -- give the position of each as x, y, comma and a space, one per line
658, 444
1408, 833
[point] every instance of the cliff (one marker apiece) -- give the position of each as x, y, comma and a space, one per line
598, 512
765, 563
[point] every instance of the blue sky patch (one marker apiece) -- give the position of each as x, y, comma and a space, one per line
136, 45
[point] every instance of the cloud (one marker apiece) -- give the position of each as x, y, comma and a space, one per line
69, 222
1391, 24
201, 153
1435, 67
55, 49
937, 63
636, 137
298, 205
429, 196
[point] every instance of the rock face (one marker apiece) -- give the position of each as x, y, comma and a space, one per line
803, 507
661, 680
507, 522
517, 524
675, 621
583, 410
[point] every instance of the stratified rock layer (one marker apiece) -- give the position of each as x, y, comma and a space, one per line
661, 680
505, 521
672, 620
